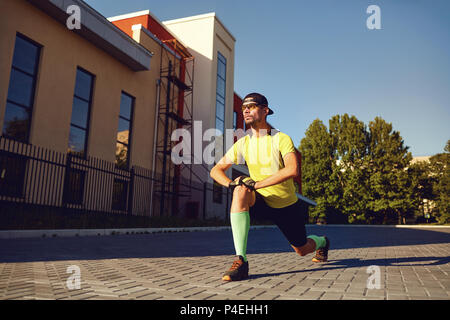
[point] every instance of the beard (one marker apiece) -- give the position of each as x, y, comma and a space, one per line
250, 122
253, 123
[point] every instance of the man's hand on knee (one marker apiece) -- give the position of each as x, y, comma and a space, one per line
233, 184
249, 183
246, 181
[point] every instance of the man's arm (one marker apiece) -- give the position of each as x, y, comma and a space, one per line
218, 172
290, 170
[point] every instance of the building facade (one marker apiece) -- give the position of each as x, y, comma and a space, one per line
91, 108
104, 99
67, 88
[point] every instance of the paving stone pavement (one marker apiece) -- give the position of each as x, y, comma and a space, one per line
412, 264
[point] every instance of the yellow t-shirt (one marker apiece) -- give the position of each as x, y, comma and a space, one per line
264, 157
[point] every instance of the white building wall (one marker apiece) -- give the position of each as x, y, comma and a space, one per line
205, 36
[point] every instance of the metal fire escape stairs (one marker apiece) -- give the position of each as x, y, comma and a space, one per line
175, 111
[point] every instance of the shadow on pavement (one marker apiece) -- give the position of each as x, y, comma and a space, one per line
357, 263
364, 237
210, 243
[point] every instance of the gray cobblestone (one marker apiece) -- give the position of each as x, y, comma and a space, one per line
267, 296
312, 295
414, 264
338, 287
331, 296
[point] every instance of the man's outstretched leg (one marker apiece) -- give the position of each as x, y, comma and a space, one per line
291, 221
243, 198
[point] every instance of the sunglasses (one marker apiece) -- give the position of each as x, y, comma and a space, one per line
252, 107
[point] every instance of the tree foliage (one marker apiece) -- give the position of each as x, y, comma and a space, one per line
350, 138
363, 174
389, 181
316, 151
439, 171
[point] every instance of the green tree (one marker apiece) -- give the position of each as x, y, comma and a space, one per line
350, 140
388, 160
440, 175
317, 157
362, 174
422, 184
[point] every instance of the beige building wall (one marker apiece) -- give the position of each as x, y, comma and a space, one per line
62, 51
161, 58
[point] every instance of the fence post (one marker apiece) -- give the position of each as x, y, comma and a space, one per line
226, 208
204, 200
66, 179
130, 192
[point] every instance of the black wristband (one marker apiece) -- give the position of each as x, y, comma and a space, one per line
249, 183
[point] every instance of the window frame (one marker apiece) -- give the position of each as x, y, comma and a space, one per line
29, 109
221, 96
130, 129
223, 60
90, 102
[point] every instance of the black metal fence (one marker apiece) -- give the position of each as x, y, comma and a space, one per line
41, 188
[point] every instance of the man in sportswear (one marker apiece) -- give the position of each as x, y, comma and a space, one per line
269, 192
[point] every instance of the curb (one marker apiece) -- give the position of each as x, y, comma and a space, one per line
411, 226
21, 234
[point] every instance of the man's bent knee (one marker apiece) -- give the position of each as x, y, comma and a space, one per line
239, 192
243, 198
242, 193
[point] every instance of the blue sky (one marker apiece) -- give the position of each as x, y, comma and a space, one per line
316, 59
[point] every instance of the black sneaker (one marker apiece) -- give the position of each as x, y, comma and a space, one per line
322, 253
238, 271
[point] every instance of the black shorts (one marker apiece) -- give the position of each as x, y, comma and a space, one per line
290, 220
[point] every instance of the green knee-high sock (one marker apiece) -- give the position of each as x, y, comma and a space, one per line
320, 241
240, 225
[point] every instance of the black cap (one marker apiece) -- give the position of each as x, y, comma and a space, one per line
256, 98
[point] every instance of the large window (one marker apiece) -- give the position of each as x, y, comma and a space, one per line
221, 92
22, 84
220, 112
124, 131
79, 124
